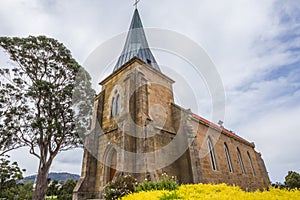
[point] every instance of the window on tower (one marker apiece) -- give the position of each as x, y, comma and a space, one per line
118, 105
115, 105
112, 110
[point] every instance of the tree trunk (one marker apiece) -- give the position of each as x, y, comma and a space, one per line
41, 182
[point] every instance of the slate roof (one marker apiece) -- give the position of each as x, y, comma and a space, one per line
136, 45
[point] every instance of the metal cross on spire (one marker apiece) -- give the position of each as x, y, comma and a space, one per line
136, 3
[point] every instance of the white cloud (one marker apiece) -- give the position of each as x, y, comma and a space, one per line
276, 135
254, 44
69, 161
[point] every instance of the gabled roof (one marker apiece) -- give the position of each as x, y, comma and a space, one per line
222, 130
136, 45
210, 124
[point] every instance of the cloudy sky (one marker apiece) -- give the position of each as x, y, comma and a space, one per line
254, 45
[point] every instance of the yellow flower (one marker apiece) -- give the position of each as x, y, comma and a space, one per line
216, 192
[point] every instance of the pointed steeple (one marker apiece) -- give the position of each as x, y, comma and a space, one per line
136, 45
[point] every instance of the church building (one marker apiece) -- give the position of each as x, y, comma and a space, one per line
138, 129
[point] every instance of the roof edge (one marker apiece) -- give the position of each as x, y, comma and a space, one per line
222, 130
210, 124
128, 63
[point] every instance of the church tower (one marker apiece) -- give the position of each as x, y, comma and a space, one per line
130, 115
137, 129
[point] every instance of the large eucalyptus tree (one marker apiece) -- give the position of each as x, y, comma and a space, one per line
45, 101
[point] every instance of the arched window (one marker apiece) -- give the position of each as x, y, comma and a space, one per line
112, 110
115, 104
118, 105
251, 164
241, 160
212, 154
228, 157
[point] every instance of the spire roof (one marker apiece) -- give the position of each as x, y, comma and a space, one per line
136, 45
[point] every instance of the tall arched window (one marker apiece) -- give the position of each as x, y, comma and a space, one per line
118, 105
115, 104
212, 154
251, 164
241, 160
112, 109
228, 157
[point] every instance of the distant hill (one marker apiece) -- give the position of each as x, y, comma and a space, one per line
60, 177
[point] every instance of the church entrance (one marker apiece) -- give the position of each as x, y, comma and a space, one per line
112, 164
112, 173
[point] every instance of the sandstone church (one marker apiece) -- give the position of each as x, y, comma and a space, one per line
132, 135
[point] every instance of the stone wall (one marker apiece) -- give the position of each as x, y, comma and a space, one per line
149, 122
252, 179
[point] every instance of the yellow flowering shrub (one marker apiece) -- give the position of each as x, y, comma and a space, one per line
215, 192
149, 195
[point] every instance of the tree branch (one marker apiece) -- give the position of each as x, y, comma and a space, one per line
10, 149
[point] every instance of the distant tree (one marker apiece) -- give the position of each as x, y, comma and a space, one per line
278, 185
46, 101
25, 191
53, 188
66, 190
292, 180
10, 174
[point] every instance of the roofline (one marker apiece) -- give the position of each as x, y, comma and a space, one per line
136, 35
130, 62
217, 128
222, 130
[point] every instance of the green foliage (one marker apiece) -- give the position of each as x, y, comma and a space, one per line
292, 180
165, 183
146, 186
124, 185
61, 191
39, 93
120, 187
278, 185
19, 192
46, 101
169, 196
53, 188
10, 173
51, 197
25, 191
66, 190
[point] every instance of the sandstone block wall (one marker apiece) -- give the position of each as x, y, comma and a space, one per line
148, 121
